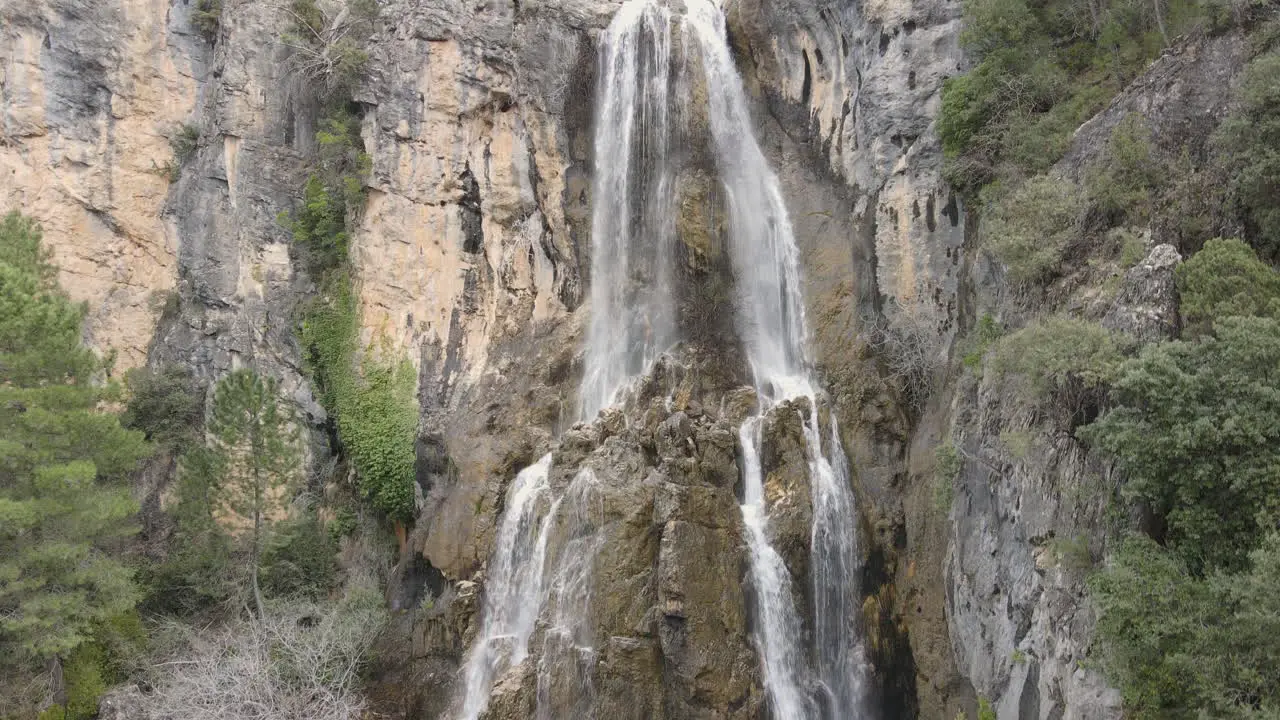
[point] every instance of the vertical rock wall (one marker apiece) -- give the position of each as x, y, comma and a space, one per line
91, 92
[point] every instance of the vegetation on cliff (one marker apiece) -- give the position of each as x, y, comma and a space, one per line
367, 387
87, 603
1187, 610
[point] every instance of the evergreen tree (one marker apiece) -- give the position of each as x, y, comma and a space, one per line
65, 508
257, 454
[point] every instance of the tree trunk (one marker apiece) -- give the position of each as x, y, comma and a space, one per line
257, 535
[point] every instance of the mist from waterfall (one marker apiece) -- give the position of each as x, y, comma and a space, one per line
641, 83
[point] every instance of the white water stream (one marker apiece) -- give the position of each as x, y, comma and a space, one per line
818, 676
772, 326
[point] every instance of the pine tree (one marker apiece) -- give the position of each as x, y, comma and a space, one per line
258, 456
65, 507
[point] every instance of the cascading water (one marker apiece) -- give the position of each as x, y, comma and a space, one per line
632, 321
633, 219
568, 649
515, 577
772, 326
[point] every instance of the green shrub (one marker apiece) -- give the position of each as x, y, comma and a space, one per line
1061, 359
1224, 279
1249, 142
976, 345
198, 574
373, 401
1196, 432
985, 711
344, 523
166, 403
184, 143
206, 17
1193, 203
333, 195
947, 465
1030, 230
1073, 553
1122, 183
1180, 647
1130, 247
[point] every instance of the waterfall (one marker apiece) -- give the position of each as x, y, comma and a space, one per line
633, 320
772, 326
568, 649
633, 219
515, 578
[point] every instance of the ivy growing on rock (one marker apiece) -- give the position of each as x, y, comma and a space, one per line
372, 400
367, 389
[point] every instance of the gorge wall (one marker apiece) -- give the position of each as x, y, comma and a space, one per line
472, 257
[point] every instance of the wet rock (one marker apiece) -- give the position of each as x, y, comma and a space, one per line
787, 487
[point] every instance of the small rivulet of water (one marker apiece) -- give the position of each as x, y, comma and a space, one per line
633, 320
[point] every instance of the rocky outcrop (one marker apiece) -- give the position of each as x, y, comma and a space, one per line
662, 616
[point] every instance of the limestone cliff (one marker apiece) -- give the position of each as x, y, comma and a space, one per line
471, 257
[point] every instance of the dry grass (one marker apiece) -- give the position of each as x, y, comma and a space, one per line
302, 661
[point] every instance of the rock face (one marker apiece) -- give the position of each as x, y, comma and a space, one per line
472, 256
91, 94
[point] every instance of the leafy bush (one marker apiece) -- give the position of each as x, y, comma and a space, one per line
1061, 359
1180, 647
1196, 430
1226, 278
1030, 230
1250, 144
